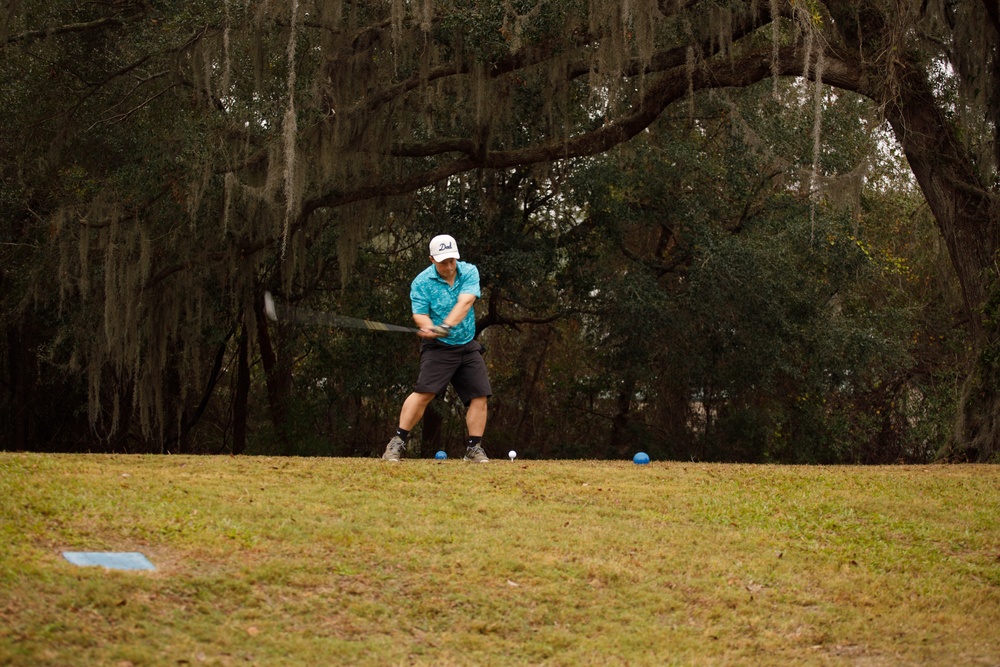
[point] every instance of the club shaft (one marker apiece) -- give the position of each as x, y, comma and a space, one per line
280, 312
341, 321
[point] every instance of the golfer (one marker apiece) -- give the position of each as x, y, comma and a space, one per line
442, 296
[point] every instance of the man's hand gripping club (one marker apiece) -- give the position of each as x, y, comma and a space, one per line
430, 330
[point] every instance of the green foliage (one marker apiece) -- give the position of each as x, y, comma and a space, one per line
688, 291
762, 321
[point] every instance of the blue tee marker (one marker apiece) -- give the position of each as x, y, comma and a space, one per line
641, 458
109, 559
441, 456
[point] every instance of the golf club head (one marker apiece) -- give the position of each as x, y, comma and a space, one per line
269, 307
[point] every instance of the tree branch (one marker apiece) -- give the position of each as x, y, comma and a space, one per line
663, 90
659, 62
32, 35
666, 89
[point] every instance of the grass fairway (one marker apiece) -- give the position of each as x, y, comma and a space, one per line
274, 561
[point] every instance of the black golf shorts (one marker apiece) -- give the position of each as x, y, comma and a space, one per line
461, 365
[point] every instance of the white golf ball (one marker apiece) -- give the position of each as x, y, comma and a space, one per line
512, 454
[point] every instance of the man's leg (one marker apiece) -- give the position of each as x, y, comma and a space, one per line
475, 421
475, 417
411, 412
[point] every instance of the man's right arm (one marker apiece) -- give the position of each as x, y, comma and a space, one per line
426, 327
420, 305
422, 321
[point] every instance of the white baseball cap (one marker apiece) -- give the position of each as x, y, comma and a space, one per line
443, 247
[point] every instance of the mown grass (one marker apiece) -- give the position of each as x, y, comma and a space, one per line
274, 561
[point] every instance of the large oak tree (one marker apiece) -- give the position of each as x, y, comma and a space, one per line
170, 160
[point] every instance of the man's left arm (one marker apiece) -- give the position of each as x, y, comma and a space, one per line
460, 310
469, 291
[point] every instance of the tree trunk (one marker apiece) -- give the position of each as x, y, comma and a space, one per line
22, 371
967, 215
958, 199
618, 441
241, 396
277, 378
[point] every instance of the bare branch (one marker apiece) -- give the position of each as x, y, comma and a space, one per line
33, 35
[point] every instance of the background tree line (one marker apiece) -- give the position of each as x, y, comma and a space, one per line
722, 231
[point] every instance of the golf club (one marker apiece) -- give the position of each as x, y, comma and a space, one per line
283, 312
